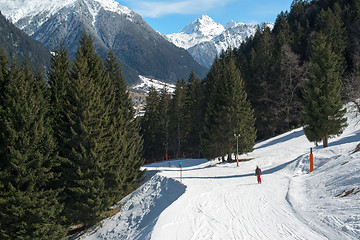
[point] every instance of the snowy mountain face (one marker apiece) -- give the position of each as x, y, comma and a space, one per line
140, 49
205, 39
201, 30
30, 15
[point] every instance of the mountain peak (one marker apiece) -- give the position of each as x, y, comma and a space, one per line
203, 26
206, 20
205, 39
111, 26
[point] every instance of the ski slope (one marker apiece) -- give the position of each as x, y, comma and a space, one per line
222, 201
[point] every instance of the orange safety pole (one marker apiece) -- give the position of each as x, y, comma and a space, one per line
311, 161
237, 161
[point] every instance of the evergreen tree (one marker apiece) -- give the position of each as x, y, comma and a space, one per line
122, 98
58, 76
323, 115
85, 133
58, 80
150, 126
242, 114
179, 116
125, 155
196, 112
164, 108
29, 208
332, 26
4, 61
228, 112
212, 137
261, 83
4, 64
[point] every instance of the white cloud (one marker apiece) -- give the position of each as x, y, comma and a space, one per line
158, 9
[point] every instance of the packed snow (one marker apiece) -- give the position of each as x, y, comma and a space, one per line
213, 200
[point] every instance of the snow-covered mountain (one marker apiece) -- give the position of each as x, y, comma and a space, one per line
201, 30
140, 49
30, 15
205, 39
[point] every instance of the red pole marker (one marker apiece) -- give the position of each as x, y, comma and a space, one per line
311, 161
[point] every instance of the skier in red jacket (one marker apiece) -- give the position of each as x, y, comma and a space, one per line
258, 174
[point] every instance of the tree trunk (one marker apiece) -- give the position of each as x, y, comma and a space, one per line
229, 157
325, 141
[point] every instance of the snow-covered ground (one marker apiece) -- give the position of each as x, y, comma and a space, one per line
146, 83
222, 201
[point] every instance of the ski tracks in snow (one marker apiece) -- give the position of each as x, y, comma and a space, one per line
232, 207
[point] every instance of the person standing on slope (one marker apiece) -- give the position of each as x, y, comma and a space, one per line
258, 174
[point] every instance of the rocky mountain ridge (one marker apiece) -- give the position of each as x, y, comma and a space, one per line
205, 39
140, 49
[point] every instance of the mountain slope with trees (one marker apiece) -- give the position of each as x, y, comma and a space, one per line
17, 43
275, 64
201, 117
140, 49
277, 70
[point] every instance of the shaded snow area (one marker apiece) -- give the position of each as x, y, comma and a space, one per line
141, 210
213, 200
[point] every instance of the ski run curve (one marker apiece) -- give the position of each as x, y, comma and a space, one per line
215, 200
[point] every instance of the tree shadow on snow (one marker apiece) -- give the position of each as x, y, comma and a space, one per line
349, 139
285, 138
264, 172
170, 191
185, 169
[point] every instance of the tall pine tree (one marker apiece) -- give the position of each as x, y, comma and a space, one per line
150, 126
29, 208
228, 113
179, 117
85, 133
58, 80
323, 116
125, 156
196, 112
164, 108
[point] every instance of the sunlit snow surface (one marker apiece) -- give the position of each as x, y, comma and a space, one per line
146, 83
222, 201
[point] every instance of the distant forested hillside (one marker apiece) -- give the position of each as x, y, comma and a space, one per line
275, 64
18, 44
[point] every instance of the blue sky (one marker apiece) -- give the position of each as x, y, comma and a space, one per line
173, 15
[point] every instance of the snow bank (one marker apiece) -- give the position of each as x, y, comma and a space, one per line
329, 197
140, 210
